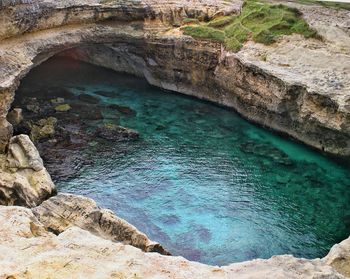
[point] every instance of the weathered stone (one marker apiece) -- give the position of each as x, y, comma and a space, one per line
116, 133
43, 129
23, 178
15, 116
6, 131
339, 257
64, 210
28, 250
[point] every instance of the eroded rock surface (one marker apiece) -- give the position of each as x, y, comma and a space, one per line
63, 211
23, 178
297, 86
28, 250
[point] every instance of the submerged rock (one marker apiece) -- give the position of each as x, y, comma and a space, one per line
85, 112
88, 99
63, 108
122, 109
42, 129
65, 210
57, 101
117, 133
32, 105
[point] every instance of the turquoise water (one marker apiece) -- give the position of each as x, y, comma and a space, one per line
202, 181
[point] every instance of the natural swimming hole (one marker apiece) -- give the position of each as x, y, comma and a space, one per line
202, 181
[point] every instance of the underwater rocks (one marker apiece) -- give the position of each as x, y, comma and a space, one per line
64, 210
30, 250
23, 178
43, 129
122, 109
88, 99
116, 133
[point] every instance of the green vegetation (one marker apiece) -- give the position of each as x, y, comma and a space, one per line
190, 21
261, 22
205, 32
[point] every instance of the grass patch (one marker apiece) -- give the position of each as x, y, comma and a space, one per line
260, 22
190, 21
204, 32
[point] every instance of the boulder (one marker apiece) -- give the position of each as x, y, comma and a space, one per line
116, 133
64, 210
43, 129
15, 116
22, 154
23, 178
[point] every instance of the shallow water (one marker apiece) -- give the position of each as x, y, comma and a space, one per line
202, 181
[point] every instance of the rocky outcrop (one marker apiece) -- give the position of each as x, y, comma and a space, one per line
23, 178
64, 211
28, 250
296, 86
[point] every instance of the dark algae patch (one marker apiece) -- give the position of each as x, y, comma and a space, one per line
258, 21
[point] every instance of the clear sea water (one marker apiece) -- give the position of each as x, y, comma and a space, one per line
202, 181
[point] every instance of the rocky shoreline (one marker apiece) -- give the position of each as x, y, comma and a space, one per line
298, 87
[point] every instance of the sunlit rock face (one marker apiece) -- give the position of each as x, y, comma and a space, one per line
23, 178
28, 250
63, 211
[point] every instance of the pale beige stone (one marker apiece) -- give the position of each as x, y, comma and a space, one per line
27, 250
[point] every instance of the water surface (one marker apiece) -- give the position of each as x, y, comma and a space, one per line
202, 181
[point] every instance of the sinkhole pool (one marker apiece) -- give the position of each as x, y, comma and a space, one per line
202, 181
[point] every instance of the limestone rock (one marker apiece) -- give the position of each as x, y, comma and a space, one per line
27, 250
6, 131
23, 178
22, 154
64, 210
15, 116
339, 257
44, 128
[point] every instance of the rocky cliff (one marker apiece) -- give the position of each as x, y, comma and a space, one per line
296, 86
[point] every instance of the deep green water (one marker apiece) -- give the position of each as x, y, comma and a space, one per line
202, 181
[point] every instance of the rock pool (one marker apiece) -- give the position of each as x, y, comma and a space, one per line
201, 180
